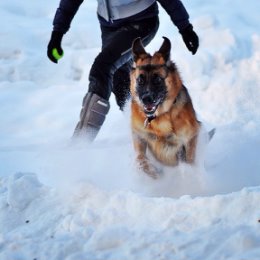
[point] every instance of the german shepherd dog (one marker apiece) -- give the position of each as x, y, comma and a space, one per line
163, 119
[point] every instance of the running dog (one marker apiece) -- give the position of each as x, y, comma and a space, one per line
163, 119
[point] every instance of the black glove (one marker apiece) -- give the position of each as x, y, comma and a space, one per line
190, 38
54, 50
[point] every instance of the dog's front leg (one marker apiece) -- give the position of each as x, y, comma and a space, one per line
191, 150
143, 162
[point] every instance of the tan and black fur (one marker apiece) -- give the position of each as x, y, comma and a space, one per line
163, 119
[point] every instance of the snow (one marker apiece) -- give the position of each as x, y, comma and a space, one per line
59, 201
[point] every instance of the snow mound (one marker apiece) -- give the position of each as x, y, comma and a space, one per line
89, 223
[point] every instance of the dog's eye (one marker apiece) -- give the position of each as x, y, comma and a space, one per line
156, 79
141, 80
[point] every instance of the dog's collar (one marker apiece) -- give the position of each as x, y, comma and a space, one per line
148, 120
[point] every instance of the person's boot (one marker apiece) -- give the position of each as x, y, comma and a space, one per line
92, 116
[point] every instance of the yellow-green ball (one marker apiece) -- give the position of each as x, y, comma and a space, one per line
56, 55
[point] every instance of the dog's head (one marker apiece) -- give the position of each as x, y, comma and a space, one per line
155, 82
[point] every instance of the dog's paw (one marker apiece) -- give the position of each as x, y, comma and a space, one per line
153, 173
150, 170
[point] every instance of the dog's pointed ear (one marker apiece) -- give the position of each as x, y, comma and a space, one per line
165, 49
137, 49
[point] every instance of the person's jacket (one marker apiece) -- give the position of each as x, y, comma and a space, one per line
113, 10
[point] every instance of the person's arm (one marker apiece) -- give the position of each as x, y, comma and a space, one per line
180, 18
64, 14
61, 24
177, 12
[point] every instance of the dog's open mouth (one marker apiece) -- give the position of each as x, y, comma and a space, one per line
151, 104
150, 109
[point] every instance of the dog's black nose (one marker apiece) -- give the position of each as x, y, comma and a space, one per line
147, 98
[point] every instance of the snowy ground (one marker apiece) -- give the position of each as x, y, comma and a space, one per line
60, 202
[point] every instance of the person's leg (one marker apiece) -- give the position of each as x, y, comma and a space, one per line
116, 51
121, 78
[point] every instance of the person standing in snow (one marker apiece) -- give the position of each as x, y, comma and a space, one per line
121, 21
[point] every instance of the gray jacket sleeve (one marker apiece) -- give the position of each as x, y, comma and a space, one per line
177, 12
64, 14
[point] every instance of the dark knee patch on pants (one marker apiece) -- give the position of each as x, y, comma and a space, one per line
121, 85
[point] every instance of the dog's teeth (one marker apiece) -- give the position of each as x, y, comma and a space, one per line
150, 109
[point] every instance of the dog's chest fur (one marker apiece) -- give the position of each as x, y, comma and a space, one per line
163, 137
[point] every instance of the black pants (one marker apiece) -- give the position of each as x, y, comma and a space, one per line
111, 68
